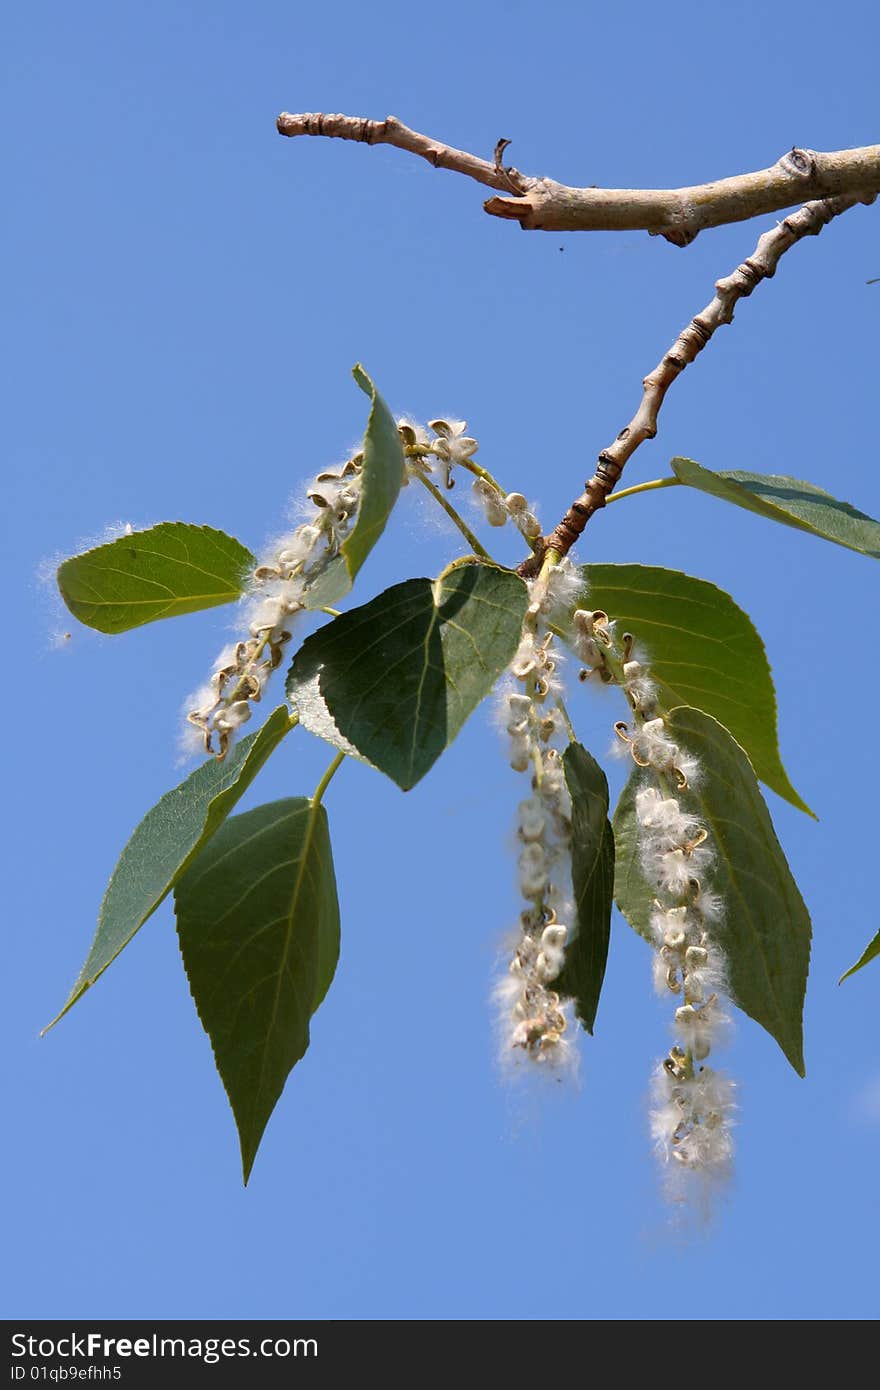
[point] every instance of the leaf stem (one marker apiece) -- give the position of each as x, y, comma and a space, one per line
531, 541
453, 515
566, 719
327, 778
483, 473
538, 591
551, 560
643, 487
422, 451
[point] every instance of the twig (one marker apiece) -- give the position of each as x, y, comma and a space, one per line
761, 265
678, 214
391, 131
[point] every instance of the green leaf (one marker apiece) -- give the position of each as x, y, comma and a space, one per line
871, 951
393, 682
703, 651
167, 841
258, 922
170, 569
797, 504
381, 479
765, 930
592, 867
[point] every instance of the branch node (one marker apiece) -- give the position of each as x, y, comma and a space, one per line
801, 164
607, 472
679, 236
703, 328
756, 273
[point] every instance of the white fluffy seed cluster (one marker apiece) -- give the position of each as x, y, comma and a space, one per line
693, 1104
692, 1114
439, 451
498, 508
594, 640
536, 1023
450, 445
278, 590
280, 582
691, 1120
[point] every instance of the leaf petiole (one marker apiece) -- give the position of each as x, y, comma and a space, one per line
325, 781
652, 486
454, 516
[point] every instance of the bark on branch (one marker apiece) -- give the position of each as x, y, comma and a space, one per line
760, 265
678, 214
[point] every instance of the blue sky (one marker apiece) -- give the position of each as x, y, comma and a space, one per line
188, 294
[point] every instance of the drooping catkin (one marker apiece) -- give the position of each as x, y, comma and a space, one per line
278, 593
536, 1023
692, 1104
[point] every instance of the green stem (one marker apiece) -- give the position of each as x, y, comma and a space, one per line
538, 590
643, 487
566, 719
422, 451
327, 779
453, 515
483, 473
550, 561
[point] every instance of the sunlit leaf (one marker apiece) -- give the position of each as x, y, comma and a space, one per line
170, 569
788, 500
393, 682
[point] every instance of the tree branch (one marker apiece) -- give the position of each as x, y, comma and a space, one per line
678, 214
391, 131
761, 265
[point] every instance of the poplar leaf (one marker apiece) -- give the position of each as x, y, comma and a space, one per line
871, 951
393, 682
703, 651
592, 871
258, 923
167, 841
789, 501
167, 570
382, 475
